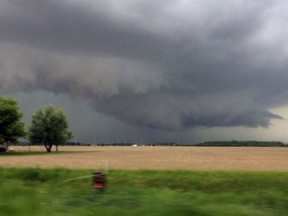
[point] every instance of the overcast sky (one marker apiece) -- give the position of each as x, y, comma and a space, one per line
150, 71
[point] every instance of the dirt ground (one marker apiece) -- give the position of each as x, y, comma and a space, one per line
167, 158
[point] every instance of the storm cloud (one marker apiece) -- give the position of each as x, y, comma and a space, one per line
171, 65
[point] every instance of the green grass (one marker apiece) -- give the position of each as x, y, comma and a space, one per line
202, 193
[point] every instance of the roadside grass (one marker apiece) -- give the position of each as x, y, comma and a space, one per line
143, 192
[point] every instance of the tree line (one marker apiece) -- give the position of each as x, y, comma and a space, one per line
231, 143
49, 125
243, 143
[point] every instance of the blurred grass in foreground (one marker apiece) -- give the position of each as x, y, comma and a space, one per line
144, 192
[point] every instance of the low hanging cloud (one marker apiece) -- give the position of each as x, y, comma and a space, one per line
171, 65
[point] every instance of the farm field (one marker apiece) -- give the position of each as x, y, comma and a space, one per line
145, 181
153, 158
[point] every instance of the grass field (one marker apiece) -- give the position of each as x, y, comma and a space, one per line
33, 191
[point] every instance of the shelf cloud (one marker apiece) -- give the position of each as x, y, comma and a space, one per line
171, 65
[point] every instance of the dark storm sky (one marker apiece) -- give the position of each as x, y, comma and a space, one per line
159, 65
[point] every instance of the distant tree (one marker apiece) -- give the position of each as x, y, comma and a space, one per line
49, 127
11, 126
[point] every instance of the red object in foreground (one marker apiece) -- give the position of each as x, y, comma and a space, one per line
98, 180
97, 186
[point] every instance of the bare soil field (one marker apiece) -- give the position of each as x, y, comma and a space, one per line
165, 158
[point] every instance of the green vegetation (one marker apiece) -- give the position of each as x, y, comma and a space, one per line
11, 126
50, 127
243, 143
232, 143
202, 193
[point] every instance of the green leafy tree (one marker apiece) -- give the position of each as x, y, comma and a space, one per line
49, 127
11, 126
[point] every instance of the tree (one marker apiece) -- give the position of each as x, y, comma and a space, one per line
11, 126
50, 127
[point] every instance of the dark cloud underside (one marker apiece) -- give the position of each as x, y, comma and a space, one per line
172, 65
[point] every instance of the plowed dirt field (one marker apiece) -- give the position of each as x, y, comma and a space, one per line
166, 158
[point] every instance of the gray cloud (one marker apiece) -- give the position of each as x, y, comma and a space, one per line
172, 65
71, 27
